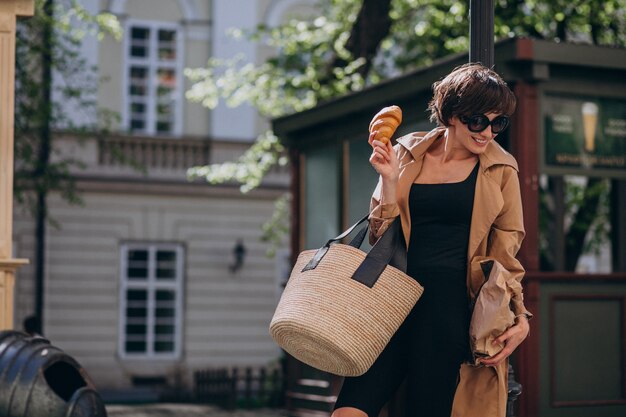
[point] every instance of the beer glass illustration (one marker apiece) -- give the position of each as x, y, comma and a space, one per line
590, 121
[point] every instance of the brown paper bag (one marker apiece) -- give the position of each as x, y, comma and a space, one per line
491, 314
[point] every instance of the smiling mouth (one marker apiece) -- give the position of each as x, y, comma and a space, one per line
480, 141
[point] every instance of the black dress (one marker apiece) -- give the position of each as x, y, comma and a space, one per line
433, 341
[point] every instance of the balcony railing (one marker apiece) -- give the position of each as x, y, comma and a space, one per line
138, 158
153, 153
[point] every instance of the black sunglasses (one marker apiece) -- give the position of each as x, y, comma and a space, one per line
478, 122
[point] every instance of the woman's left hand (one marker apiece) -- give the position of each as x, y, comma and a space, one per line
511, 339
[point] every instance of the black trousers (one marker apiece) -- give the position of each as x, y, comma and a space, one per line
427, 350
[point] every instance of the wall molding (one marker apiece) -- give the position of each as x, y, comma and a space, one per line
188, 7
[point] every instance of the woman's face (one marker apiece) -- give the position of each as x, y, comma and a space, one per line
475, 142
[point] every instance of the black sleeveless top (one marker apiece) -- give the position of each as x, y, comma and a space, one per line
440, 224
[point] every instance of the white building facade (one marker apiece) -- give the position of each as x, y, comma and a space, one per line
142, 282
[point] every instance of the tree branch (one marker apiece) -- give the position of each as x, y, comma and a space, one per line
370, 28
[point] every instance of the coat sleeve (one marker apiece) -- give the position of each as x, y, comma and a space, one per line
505, 238
382, 213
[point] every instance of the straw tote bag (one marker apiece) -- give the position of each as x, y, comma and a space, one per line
341, 306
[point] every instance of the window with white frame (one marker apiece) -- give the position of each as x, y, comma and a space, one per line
151, 300
153, 79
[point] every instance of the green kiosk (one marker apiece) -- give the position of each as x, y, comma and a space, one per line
569, 137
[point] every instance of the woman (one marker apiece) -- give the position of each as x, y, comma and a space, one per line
457, 194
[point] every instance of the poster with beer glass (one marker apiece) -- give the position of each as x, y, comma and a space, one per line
585, 133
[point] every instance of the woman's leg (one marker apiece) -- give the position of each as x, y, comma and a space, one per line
433, 385
439, 345
365, 395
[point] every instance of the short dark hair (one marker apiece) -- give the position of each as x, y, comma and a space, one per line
470, 89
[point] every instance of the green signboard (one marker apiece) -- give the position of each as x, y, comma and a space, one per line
585, 135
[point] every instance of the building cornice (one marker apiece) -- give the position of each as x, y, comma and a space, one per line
176, 189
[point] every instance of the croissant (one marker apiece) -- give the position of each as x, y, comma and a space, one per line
385, 123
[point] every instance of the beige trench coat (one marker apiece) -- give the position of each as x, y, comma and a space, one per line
496, 231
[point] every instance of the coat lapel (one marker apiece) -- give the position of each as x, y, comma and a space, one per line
408, 172
488, 202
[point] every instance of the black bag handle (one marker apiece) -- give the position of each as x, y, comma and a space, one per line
350, 230
321, 252
390, 249
357, 241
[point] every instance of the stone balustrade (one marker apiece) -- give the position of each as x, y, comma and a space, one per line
153, 153
139, 158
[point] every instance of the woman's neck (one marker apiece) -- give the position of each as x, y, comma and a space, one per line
447, 148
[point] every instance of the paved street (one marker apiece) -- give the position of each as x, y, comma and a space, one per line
185, 410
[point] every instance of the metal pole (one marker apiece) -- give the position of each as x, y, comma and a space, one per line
43, 161
481, 32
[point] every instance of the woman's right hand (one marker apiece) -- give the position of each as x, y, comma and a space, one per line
384, 160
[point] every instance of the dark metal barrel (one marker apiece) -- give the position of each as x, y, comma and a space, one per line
38, 379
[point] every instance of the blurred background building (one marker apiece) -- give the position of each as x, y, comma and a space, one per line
155, 276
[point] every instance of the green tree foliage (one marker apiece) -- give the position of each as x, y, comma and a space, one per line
582, 221
296, 79
349, 46
50, 44
319, 59
600, 22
